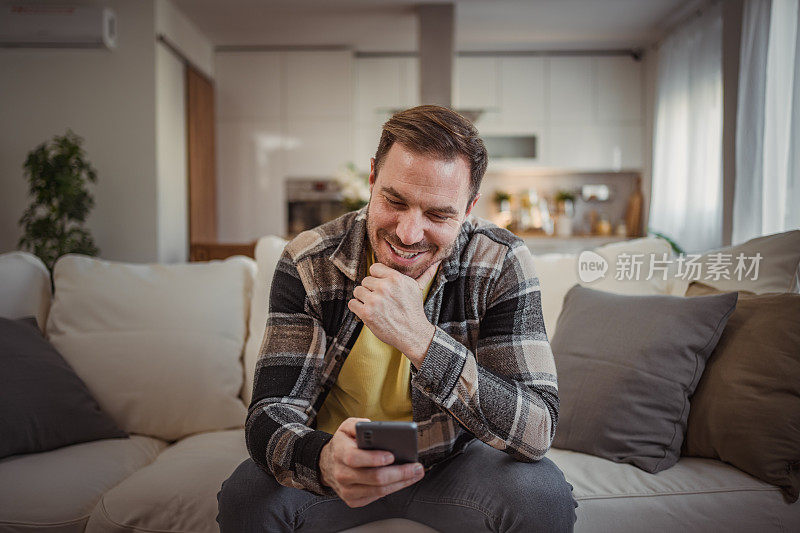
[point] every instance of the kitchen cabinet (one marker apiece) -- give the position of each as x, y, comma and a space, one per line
250, 188
571, 90
522, 93
248, 85
585, 112
381, 85
318, 125
279, 114
595, 112
318, 84
510, 91
619, 90
477, 83
316, 147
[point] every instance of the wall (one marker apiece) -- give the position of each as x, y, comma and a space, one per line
108, 98
171, 172
185, 36
186, 43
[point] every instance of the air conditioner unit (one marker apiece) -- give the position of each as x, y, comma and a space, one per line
53, 26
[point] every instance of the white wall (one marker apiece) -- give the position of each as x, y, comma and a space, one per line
171, 157
171, 171
185, 36
107, 97
128, 105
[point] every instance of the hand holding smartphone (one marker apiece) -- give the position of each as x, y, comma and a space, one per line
399, 438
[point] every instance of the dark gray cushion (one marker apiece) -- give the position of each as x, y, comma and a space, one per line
43, 404
627, 366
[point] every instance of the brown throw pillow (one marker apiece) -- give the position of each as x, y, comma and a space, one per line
746, 408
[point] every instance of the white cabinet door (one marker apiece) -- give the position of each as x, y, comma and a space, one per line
409, 97
365, 141
595, 113
522, 91
476, 83
318, 84
619, 146
382, 84
317, 147
596, 147
619, 89
378, 87
571, 89
575, 147
250, 186
248, 85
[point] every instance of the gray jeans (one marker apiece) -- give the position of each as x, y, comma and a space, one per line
482, 489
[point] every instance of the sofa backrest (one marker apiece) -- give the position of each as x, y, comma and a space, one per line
24, 287
268, 252
159, 346
559, 272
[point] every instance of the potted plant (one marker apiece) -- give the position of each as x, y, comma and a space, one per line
53, 224
354, 187
503, 201
565, 202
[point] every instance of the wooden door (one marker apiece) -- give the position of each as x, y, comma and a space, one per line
201, 158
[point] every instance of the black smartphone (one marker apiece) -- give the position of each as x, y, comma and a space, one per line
399, 438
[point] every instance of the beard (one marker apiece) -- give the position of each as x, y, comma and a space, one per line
377, 235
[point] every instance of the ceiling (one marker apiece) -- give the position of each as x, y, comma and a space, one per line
391, 25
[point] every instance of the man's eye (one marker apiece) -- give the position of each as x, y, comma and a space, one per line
438, 218
394, 202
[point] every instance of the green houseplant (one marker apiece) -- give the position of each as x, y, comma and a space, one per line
53, 224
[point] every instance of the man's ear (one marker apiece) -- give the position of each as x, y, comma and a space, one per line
472, 204
371, 173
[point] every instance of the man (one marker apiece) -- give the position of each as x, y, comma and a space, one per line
407, 309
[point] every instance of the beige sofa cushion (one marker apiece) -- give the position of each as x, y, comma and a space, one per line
559, 272
694, 496
24, 287
268, 252
57, 490
159, 346
177, 492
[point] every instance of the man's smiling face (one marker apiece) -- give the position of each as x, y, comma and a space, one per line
417, 205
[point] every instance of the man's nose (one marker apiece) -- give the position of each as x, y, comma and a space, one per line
409, 228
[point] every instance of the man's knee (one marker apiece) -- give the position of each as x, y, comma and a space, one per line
235, 497
252, 500
542, 496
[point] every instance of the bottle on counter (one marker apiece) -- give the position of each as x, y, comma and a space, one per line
633, 213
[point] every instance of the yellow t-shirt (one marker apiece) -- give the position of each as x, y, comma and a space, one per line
374, 382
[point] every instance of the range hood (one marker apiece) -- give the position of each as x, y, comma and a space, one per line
437, 56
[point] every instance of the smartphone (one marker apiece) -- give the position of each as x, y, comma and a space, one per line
399, 438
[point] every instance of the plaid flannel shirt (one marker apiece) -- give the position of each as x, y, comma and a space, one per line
488, 373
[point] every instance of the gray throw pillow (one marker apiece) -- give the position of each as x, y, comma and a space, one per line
627, 366
43, 404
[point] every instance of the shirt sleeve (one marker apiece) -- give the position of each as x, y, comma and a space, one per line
277, 430
506, 392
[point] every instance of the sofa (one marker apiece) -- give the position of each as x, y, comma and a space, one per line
169, 352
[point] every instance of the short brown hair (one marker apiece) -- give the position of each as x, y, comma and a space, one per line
439, 131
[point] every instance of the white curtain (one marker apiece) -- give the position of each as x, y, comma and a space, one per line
767, 193
686, 195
